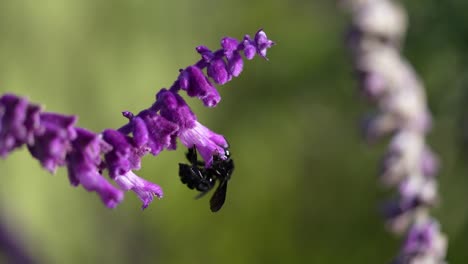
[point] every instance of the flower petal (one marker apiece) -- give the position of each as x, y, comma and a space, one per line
144, 189
206, 141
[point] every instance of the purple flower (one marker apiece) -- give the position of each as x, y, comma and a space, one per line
217, 70
259, 45
231, 51
197, 85
84, 165
206, 53
144, 189
235, 64
173, 108
249, 47
262, 43
207, 142
229, 45
191, 133
424, 243
216, 66
124, 156
53, 142
19, 121
154, 131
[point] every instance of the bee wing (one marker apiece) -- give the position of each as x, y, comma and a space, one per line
200, 195
219, 196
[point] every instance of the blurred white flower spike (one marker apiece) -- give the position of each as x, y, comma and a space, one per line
388, 80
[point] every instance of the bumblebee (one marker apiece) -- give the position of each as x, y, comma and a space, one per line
196, 176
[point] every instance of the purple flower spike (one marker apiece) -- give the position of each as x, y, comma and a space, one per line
19, 121
53, 142
144, 189
84, 163
206, 141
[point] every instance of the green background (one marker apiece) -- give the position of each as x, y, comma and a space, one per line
305, 188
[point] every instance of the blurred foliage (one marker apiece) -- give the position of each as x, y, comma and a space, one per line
304, 189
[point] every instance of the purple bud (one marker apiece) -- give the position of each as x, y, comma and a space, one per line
174, 108
206, 141
217, 70
199, 86
140, 132
249, 48
235, 64
211, 99
205, 52
127, 128
144, 189
229, 45
184, 80
54, 141
263, 43
127, 114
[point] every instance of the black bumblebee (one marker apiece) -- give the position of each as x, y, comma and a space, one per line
196, 176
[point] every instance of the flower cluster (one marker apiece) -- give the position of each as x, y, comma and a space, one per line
389, 81
55, 140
